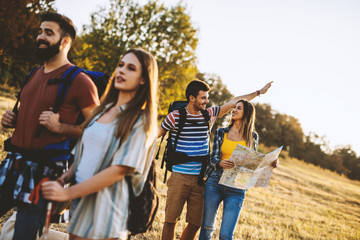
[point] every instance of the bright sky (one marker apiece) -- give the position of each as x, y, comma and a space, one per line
309, 48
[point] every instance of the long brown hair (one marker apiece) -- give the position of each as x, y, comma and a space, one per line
247, 123
143, 103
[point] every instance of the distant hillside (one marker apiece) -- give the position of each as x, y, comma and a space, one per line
302, 202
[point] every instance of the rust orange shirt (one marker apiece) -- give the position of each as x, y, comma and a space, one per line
37, 96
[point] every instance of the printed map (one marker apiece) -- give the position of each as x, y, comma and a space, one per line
252, 169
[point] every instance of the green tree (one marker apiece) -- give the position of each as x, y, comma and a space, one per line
291, 134
334, 162
18, 26
349, 160
355, 170
265, 124
313, 152
166, 32
277, 129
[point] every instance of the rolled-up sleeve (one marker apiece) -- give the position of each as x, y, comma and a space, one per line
134, 152
216, 153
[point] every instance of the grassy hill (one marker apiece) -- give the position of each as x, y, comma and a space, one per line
302, 202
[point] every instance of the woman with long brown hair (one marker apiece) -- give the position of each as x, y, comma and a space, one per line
118, 140
241, 130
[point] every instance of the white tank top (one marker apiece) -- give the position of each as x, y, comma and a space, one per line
96, 142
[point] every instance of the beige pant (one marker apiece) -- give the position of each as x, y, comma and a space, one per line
7, 231
184, 188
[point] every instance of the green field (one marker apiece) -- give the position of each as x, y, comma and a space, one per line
302, 202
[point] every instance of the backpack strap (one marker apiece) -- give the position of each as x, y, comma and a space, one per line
100, 79
205, 163
182, 120
157, 154
16, 109
181, 124
64, 85
206, 116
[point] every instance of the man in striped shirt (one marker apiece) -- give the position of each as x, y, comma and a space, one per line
194, 141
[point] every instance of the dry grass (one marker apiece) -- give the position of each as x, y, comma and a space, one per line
301, 202
7, 101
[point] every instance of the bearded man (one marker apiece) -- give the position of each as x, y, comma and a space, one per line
36, 126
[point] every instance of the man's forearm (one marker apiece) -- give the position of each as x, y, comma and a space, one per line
69, 130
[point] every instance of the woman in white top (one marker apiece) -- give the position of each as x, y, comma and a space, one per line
118, 139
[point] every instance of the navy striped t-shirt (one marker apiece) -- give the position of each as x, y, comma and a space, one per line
193, 139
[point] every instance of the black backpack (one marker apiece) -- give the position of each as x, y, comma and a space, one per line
143, 208
170, 156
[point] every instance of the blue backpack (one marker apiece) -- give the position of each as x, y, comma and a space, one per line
100, 80
17, 183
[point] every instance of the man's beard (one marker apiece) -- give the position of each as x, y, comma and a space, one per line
199, 107
46, 53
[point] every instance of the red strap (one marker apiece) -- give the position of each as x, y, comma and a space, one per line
34, 196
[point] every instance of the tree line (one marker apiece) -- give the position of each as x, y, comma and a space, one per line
168, 33
276, 129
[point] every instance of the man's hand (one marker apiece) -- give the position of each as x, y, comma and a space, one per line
266, 87
8, 119
52, 190
50, 120
226, 164
65, 178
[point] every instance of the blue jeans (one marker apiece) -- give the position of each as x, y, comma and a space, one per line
233, 200
30, 220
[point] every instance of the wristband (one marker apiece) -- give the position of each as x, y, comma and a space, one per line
258, 92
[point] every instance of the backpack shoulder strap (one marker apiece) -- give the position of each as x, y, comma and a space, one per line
206, 115
64, 86
15, 109
100, 80
182, 120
